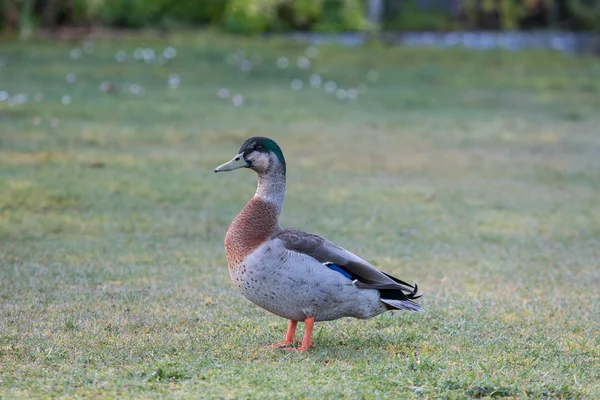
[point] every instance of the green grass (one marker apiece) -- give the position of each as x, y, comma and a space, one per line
475, 175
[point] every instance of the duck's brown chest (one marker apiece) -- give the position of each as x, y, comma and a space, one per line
254, 225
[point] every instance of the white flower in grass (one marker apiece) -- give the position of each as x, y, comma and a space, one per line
121, 56
71, 78
174, 81
330, 86
296, 84
75, 53
245, 65
315, 80
237, 100
223, 93
169, 53
282, 62
303, 62
341, 94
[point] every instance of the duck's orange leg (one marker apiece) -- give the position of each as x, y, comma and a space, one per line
307, 340
289, 337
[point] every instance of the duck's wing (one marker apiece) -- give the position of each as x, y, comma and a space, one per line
364, 274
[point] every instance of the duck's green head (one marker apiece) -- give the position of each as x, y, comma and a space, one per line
258, 153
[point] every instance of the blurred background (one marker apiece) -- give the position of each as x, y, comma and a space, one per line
324, 16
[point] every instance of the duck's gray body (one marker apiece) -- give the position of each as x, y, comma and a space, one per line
295, 286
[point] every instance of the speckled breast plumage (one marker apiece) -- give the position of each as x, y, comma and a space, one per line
253, 226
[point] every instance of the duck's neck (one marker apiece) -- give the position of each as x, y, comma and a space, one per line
271, 189
257, 221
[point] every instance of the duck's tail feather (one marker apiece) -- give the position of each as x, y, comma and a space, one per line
399, 300
413, 293
406, 305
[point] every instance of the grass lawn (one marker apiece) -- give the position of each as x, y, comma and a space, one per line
476, 175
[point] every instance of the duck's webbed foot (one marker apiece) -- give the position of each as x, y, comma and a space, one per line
290, 337
307, 340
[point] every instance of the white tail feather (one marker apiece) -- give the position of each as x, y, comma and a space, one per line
403, 305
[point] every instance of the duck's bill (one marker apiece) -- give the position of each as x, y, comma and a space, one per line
237, 162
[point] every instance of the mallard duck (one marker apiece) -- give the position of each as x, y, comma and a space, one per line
294, 274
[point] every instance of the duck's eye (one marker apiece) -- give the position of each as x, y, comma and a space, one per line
258, 147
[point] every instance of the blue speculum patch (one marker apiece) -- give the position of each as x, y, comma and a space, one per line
341, 271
